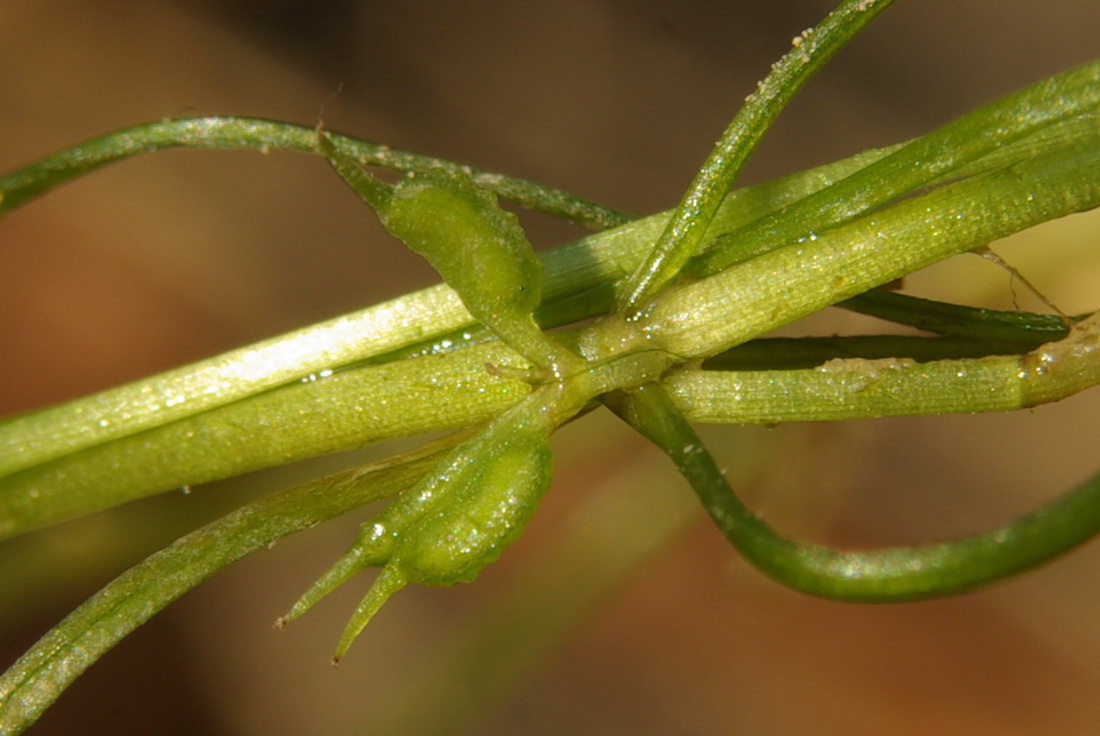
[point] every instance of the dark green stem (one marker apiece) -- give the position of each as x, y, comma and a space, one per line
786, 353
1023, 328
883, 575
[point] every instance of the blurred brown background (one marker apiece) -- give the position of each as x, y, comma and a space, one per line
177, 256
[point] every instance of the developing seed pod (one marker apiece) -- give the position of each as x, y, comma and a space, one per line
480, 250
457, 518
481, 512
374, 545
472, 527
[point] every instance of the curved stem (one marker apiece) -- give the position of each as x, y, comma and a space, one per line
883, 575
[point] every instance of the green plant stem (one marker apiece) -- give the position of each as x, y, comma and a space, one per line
691, 320
884, 575
341, 411
777, 252
40, 675
445, 391
691, 219
859, 388
422, 319
427, 321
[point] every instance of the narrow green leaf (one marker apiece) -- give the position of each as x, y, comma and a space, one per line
960, 321
67, 650
241, 133
1040, 118
689, 222
708, 316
